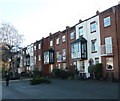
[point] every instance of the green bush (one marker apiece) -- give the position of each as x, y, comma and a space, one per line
96, 71
38, 80
59, 73
36, 73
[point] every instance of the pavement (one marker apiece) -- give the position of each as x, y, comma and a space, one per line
60, 89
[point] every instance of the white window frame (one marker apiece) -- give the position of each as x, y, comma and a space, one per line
80, 31
51, 42
108, 45
107, 21
57, 41
63, 38
39, 57
64, 54
39, 45
93, 47
72, 35
34, 47
93, 27
109, 63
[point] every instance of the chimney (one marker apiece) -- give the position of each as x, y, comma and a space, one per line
42, 37
80, 21
97, 12
67, 27
50, 34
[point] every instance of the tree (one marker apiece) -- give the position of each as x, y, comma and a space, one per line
9, 35
10, 41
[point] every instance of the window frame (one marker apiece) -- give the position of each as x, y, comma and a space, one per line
72, 35
107, 21
63, 38
81, 31
93, 28
95, 48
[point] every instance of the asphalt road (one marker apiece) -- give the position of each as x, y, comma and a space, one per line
60, 89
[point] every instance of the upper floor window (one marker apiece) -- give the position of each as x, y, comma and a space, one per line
63, 38
39, 57
72, 35
108, 44
51, 43
80, 31
57, 41
64, 54
93, 27
39, 45
107, 21
93, 46
34, 47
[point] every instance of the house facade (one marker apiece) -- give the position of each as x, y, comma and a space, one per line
94, 40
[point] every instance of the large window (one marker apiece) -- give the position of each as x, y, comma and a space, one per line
39, 57
64, 54
57, 41
109, 63
93, 46
108, 44
63, 38
75, 50
34, 47
107, 21
51, 43
81, 31
58, 56
46, 57
39, 45
72, 35
93, 27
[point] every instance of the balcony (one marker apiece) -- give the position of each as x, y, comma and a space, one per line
107, 50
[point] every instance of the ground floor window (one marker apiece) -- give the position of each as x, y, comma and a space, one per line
51, 68
82, 65
96, 60
64, 65
109, 63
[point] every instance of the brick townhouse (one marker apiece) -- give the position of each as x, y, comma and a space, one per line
93, 40
110, 41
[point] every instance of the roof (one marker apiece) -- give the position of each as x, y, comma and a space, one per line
80, 39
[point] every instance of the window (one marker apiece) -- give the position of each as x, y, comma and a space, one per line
80, 31
39, 57
39, 45
59, 66
63, 38
72, 35
107, 21
109, 63
64, 54
57, 41
34, 47
82, 65
51, 43
93, 46
58, 56
108, 44
35, 59
46, 57
64, 65
51, 68
96, 60
93, 27
75, 50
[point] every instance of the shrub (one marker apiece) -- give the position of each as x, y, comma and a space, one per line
38, 80
59, 73
36, 73
95, 71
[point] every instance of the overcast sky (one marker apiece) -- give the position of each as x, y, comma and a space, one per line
37, 18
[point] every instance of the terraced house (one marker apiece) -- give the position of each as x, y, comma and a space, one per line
91, 41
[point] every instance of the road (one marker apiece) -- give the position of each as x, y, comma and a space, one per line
61, 89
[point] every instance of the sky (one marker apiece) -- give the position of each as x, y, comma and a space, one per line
37, 18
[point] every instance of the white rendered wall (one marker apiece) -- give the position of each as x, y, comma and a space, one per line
90, 36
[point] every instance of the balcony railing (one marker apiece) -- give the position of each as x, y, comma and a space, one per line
106, 50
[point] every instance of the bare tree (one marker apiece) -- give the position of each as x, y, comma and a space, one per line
9, 35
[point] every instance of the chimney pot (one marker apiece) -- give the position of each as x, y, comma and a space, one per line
80, 21
97, 12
